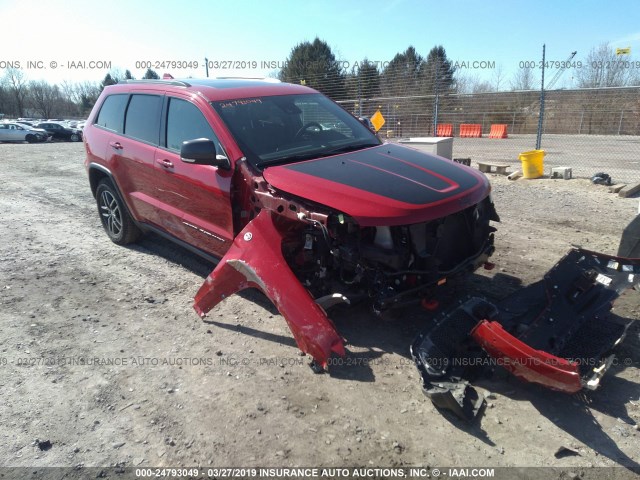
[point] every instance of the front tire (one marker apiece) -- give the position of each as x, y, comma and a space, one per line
115, 218
30, 138
74, 137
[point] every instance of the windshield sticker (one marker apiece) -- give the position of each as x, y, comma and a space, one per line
235, 103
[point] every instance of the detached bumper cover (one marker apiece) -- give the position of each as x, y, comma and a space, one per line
255, 261
557, 332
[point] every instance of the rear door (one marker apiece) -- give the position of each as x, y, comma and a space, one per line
55, 130
134, 123
196, 202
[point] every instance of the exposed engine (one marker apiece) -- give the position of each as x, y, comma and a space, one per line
391, 265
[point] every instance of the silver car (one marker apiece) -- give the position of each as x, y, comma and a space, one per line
16, 132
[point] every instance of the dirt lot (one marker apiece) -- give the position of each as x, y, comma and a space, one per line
102, 355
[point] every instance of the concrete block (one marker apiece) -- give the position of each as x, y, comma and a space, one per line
562, 172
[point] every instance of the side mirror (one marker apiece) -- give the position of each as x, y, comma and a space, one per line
202, 151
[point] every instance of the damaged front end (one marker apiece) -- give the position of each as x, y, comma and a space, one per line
307, 262
338, 243
557, 332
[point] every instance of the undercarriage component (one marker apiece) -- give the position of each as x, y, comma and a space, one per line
556, 332
255, 261
459, 397
445, 355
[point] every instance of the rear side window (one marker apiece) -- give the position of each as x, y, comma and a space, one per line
111, 114
186, 122
142, 120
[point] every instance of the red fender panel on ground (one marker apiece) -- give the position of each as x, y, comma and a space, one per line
255, 261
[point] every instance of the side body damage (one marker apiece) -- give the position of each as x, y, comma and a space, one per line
557, 332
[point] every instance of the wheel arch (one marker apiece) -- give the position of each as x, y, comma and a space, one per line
96, 174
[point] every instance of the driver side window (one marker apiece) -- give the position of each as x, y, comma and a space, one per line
186, 122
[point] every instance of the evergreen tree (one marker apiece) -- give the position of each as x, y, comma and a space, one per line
151, 75
314, 64
403, 74
438, 72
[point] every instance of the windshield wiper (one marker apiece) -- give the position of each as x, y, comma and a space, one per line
291, 158
349, 148
317, 154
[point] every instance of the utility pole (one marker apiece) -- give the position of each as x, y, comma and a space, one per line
359, 89
541, 116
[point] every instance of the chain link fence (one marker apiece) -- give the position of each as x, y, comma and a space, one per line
589, 130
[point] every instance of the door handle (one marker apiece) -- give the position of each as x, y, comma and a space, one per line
116, 145
165, 163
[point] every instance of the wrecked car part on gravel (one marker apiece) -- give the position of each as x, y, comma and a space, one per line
556, 332
445, 355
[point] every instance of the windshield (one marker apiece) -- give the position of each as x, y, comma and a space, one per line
289, 128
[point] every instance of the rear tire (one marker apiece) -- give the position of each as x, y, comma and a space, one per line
75, 137
117, 222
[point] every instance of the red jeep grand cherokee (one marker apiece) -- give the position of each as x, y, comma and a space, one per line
289, 192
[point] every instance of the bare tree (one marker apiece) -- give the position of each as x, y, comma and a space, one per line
523, 79
497, 78
603, 68
45, 98
88, 93
69, 91
16, 83
83, 94
472, 84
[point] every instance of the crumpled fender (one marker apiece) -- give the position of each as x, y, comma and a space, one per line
255, 261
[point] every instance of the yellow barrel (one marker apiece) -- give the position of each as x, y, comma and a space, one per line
532, 163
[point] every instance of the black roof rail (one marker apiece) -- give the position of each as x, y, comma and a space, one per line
177, 83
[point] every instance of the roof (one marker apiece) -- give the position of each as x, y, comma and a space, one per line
215, 89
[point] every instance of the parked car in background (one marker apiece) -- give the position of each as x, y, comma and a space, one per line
61, 132
16, 132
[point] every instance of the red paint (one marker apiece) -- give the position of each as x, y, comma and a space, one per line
525, 362
370, 209
258, 263
430, 304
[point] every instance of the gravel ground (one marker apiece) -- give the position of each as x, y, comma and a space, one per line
103, 357
617, 155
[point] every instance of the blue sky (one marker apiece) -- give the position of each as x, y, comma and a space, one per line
120, 32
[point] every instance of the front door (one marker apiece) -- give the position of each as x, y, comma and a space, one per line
196, 201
